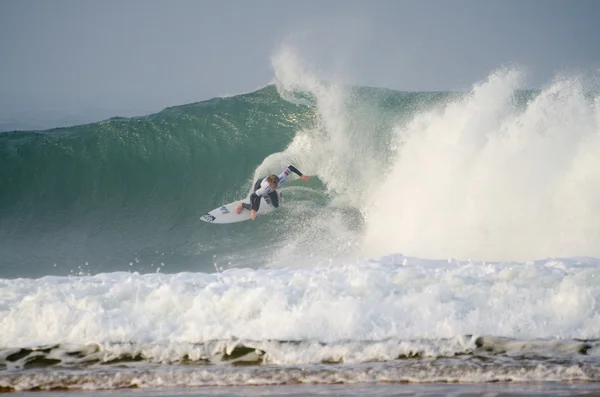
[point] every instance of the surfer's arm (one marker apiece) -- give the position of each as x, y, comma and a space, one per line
294, 170
297, 172
286, 172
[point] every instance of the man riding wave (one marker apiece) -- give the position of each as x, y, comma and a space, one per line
267, 188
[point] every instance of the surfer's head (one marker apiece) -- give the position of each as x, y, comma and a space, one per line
273, 181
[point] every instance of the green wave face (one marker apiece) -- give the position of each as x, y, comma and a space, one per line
126, 194
98, 197
433, 175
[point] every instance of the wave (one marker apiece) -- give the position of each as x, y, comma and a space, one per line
110, 280
498, 173
239, 365
301, 352
394, 297
98, 197
394, 319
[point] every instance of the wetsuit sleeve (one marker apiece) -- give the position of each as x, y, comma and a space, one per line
294, 170
286, 172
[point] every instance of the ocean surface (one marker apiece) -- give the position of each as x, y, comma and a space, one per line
447, 243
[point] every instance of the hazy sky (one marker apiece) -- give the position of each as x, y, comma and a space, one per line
105, 57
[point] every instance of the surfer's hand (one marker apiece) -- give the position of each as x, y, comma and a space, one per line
253, 214
305, 178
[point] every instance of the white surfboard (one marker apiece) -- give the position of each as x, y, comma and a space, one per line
226, 213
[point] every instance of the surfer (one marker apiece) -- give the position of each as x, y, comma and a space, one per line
266, 188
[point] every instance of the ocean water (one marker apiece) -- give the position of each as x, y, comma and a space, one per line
447, 244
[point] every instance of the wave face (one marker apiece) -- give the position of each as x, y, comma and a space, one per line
110, 280
498, 173
97, 197
126, 194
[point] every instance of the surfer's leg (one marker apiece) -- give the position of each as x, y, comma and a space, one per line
242, 206
255, 199
274, 198
255, 202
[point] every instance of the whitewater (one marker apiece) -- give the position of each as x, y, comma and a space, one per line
444, 237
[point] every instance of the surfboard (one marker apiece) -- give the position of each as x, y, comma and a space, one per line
226, 213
